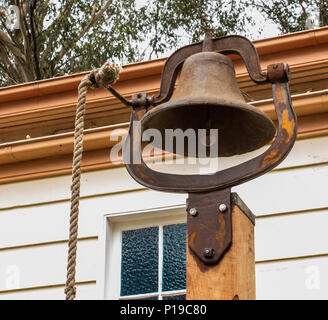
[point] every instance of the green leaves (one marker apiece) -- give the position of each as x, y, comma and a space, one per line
293, 15
65, 36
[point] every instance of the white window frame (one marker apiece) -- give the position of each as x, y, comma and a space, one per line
113, 225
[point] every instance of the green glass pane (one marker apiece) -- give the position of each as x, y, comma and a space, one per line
174, 257
139, 261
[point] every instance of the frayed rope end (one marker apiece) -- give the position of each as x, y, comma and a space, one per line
105, 76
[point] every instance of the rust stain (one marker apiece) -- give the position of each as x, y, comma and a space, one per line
192, 239
141, 174
140, 113
271, 157
222, 231
288, 125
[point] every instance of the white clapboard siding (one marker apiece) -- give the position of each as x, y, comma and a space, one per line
293, 279
305, 152
43, 223
83, 292
291, 190
50, 222
135, 201
45, 265
58, 188
302, 188
34, 226
292, 235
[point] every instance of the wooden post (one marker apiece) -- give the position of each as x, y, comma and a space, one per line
233, 277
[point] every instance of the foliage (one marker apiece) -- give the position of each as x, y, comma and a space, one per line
293, 15
57, 37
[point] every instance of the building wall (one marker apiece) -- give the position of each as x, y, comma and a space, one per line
291, 241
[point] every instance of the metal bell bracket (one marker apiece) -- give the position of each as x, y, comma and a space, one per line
207, 192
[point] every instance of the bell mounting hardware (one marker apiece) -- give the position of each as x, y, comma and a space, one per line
207, 97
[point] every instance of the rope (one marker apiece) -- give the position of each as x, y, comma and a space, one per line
105, 76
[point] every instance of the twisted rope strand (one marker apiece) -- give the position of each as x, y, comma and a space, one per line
105, 76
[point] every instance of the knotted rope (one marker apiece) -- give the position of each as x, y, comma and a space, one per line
105, 76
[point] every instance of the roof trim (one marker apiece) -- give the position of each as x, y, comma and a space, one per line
136, 70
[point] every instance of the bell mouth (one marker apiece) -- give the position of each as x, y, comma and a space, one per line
241, 127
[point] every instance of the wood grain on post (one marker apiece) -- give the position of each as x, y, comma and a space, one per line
233, 277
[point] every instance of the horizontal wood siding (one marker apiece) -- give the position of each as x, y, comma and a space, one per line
291, 205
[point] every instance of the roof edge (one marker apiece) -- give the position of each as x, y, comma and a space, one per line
141, 69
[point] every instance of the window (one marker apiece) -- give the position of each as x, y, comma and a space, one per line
147, 256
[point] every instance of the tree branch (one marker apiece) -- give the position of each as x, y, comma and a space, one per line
8, 66
42, 15
88, 26
68, 60
205, 24
61, 17
94, 19
8, 77
156, 32
4, 25
63, 14
24, 30
35, 47
269, 10
8, 43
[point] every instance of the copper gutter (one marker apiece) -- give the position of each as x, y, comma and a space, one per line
136, 70
101, 138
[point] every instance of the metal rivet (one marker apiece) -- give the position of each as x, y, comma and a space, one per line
208, 252
193, 212
222, 207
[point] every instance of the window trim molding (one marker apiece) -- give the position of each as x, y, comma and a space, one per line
110, 240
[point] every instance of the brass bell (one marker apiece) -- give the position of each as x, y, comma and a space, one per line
207, 97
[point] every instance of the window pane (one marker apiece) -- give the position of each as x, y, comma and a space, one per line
174, 257
139, 261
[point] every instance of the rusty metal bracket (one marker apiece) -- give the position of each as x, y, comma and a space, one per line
277, 74
281, 146
209, 224
209, 219
209, 229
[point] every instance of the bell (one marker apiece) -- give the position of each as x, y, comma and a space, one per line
207, 97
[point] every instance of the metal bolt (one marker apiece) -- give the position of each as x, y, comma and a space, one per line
222, 207
208, 252
193, 212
